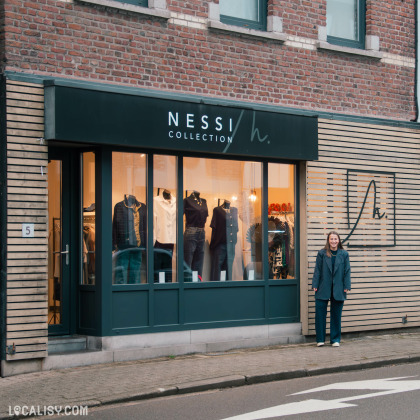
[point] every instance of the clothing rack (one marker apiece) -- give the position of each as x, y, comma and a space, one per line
55, 317
89, 219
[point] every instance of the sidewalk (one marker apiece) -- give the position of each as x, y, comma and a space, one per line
129, 381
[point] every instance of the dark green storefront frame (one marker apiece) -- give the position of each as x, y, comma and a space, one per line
107, 309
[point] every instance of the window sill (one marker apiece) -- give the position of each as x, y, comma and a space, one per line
323, 45
161, 13
275, 36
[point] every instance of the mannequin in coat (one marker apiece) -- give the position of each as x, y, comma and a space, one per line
331, 281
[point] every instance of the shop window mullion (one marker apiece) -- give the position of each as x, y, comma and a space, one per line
103, 199
264, 221
180, 238
150, 250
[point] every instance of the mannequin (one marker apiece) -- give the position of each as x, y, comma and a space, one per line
128, 236
224, 236
164, 234
196, 213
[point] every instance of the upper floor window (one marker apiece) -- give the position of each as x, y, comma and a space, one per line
143, 3
250, 14
346, 22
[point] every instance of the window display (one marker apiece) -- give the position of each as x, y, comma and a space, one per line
88, 203
129, 218
222, 207
281, 221
222, 212
164, 218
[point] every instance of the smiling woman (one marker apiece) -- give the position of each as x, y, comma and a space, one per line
331, 281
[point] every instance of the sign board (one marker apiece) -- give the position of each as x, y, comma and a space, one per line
28, 230
115, 118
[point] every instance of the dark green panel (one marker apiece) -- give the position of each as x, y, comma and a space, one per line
88, 314
166, 307
103, 240
132, 120
284, 301
130, 309
224, 304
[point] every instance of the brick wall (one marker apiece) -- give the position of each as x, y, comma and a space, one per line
89, 42
394, 23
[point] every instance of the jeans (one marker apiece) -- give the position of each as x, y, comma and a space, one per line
194, 248
222, 260
126, 265
336, 309
163, 254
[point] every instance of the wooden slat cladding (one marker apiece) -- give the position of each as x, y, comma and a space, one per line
27, 195
385, 278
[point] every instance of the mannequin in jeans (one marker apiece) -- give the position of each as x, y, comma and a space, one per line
196, 213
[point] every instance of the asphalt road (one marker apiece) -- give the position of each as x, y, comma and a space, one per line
369, 394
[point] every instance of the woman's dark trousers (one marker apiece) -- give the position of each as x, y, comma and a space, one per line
336, 309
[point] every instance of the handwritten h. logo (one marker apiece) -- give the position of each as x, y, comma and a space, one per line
255, 132
378, 230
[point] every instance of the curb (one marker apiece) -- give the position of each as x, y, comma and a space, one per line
235, 381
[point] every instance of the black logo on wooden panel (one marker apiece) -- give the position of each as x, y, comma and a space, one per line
370, 209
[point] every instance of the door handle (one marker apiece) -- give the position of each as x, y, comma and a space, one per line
67, 253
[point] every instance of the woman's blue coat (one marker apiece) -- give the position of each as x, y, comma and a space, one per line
324, 278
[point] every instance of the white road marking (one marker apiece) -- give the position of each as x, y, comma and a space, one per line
388, 386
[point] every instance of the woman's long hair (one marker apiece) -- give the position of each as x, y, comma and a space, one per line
327, 245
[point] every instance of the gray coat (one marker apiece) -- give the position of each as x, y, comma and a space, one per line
324, 278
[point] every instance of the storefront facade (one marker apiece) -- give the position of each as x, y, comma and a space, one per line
168, 173
156, 215
75, 186
200, 217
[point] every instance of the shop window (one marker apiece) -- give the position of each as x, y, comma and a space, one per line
164, 219
248, 13
222, 220
346, 22
281, 221
88, 222
129, 218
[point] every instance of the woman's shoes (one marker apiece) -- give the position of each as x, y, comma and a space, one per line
335, 344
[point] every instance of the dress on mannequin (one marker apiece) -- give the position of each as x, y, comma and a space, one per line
224, 236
